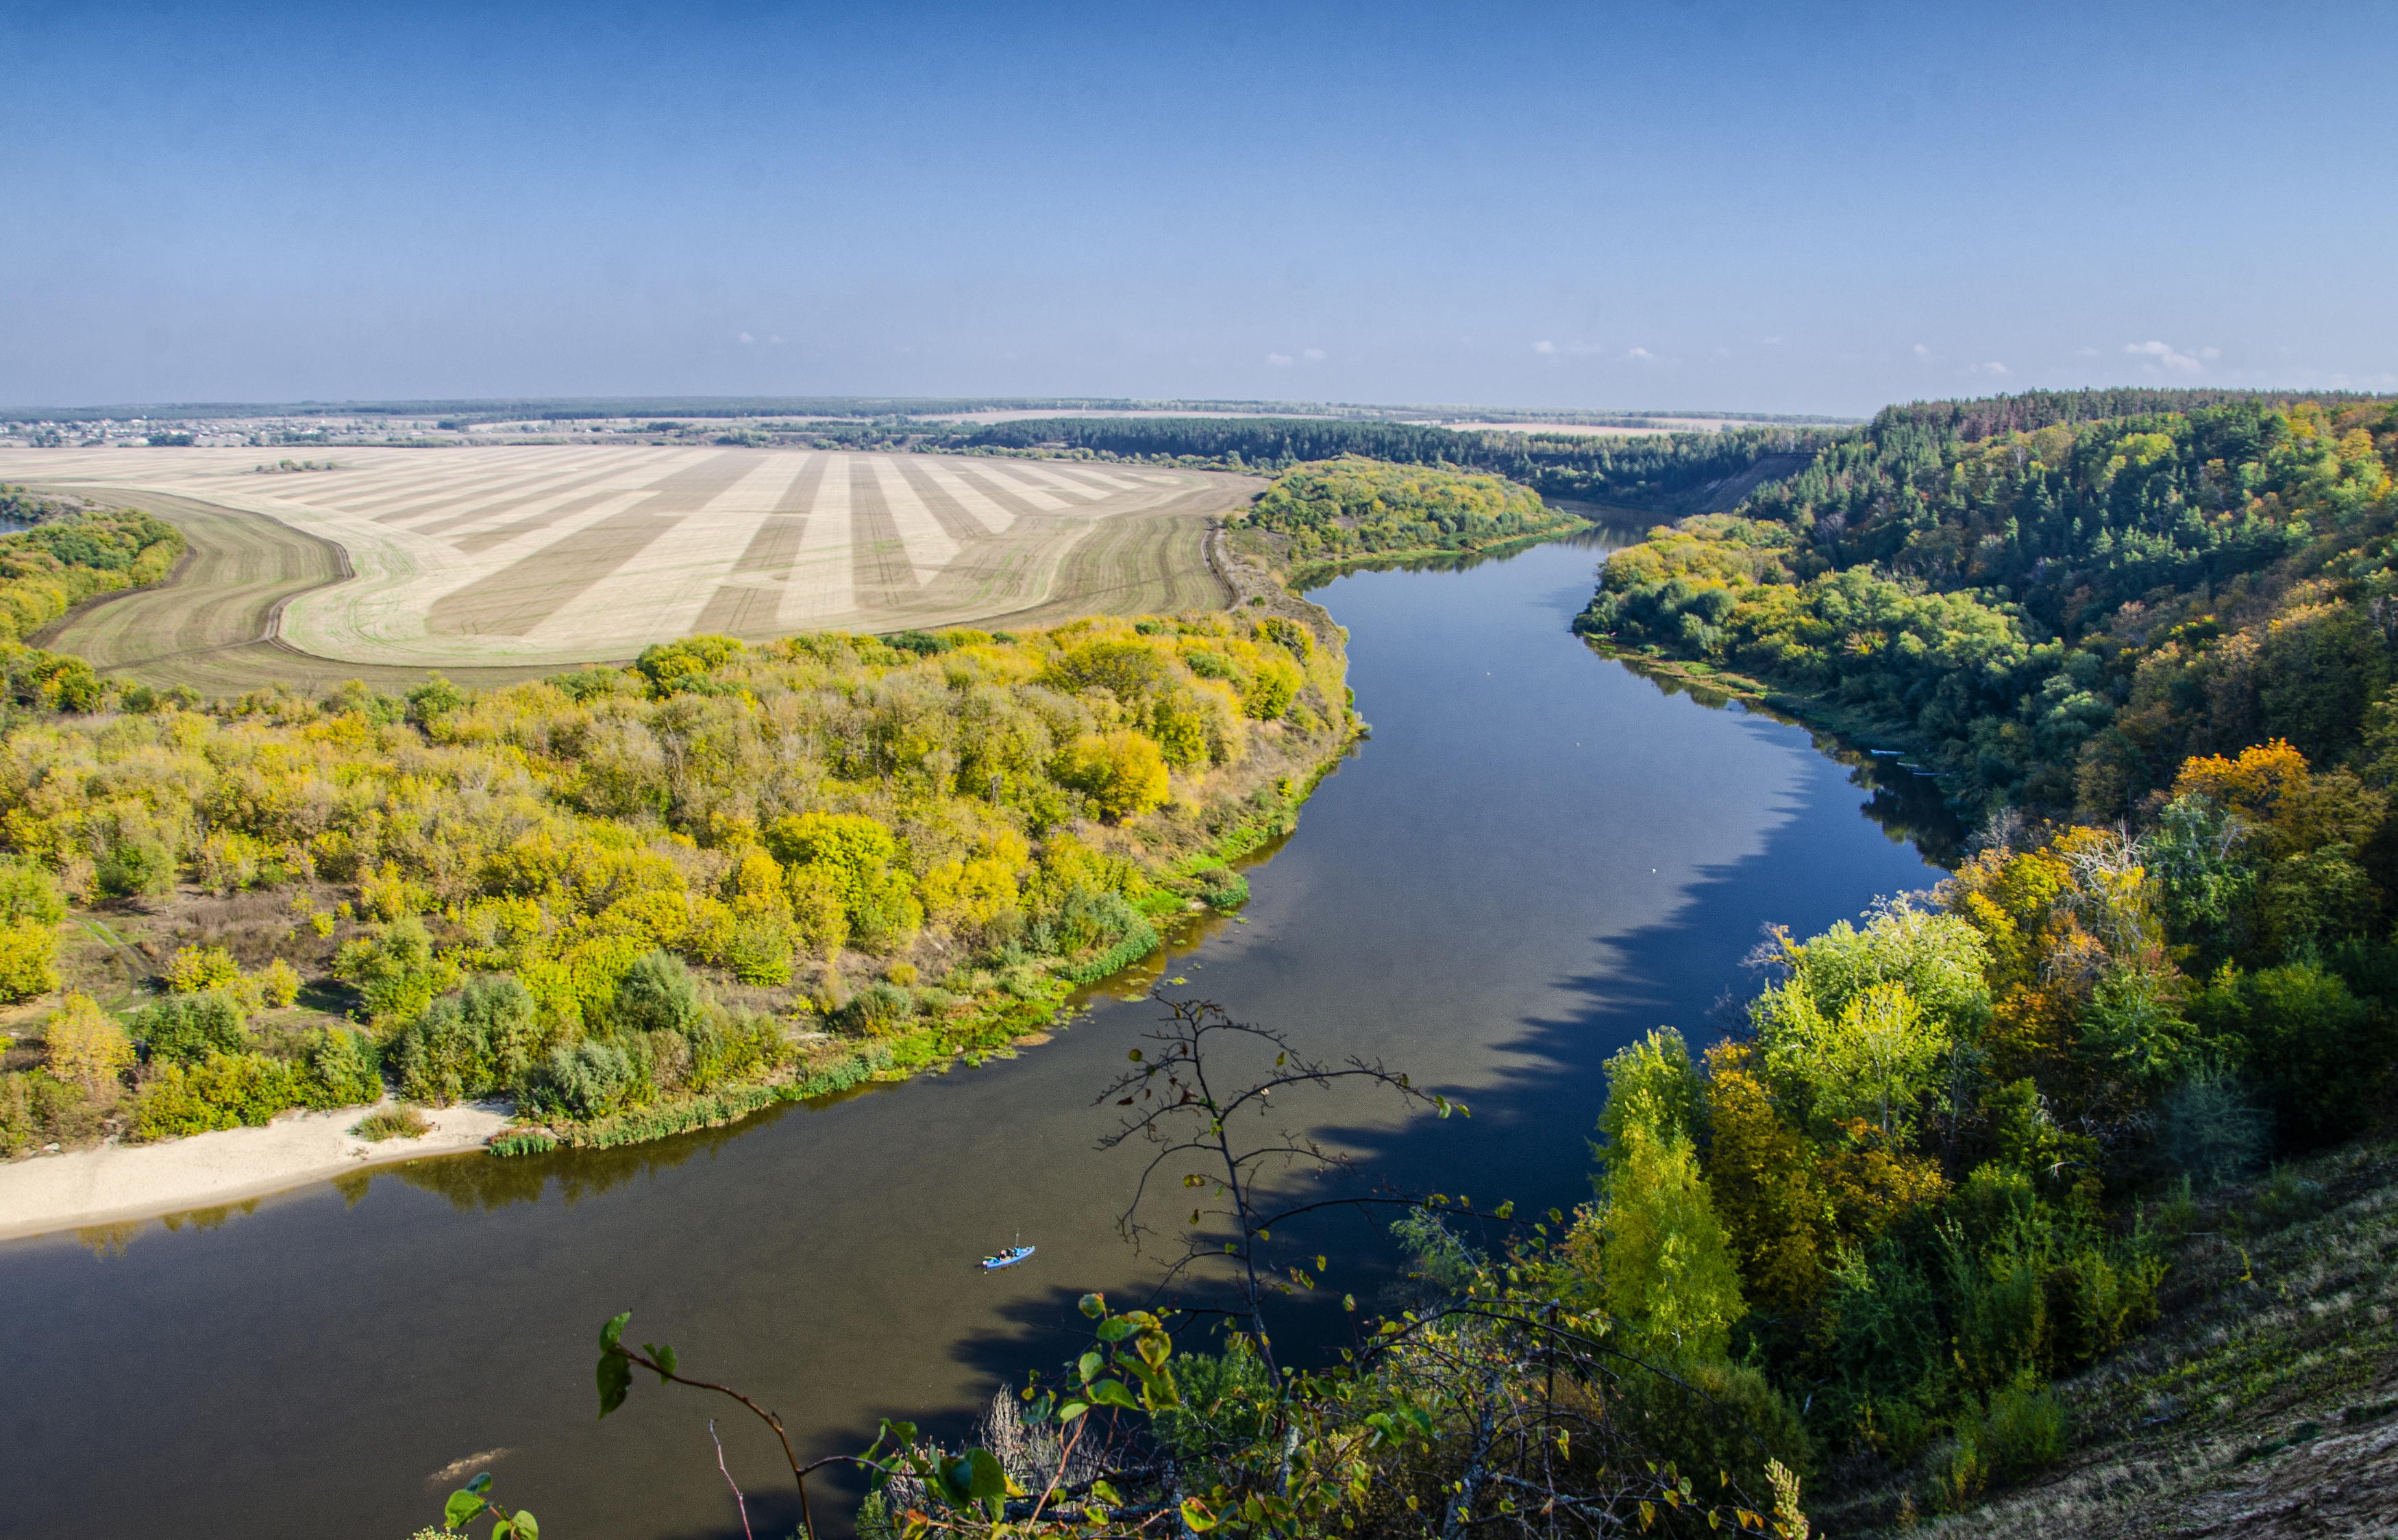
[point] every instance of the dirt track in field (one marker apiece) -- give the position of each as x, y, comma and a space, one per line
563, 561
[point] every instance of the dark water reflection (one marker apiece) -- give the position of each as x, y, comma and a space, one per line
1538, 856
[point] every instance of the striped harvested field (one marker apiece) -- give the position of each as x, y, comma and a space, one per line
520, 560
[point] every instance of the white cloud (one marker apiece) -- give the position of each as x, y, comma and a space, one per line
1314, 355
1643, 354
1993, 366
1923, 352
2210, 352
2085, 353
1771, 341
1544, 347
2165, 357
776, 340
1279, 360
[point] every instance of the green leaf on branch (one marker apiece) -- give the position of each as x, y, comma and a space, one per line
1115, 1330
1112, 1393
462, 1508
1195, 1514
1092, 1305
1088, 1366
615, 1377
664, 1356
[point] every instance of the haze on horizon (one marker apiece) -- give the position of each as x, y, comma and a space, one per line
1702, 203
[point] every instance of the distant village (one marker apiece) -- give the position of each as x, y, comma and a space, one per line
317, 433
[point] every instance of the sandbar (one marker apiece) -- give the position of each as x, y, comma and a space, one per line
115, 1183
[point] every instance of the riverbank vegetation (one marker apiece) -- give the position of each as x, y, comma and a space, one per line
1316, 518
633, 900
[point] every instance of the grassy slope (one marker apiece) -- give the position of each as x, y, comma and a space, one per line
2265, 1405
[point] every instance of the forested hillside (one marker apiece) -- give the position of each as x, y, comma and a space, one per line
2059, 612
2148, 639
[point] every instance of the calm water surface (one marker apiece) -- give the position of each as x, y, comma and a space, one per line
1537, 857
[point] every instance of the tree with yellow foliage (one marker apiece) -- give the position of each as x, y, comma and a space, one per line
88, 1045
1123, 772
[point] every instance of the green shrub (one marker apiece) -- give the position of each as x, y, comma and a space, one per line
1712, 1416
224, 1090
585, 1079
29, 952
1223, 888
879, 1008
29, 894
657, 994
136, 868
392, 1123
1226, 1403
187, 1028
36, 1108
735, 1045
341, 1069
761, 952
2301, 1037
2210, 1130
2024, 1429
2037, 1289
396, 972
2283, 1199
471, 1045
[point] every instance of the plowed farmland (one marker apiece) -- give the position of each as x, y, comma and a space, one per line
496, 564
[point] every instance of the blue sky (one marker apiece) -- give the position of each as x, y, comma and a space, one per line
1799, 208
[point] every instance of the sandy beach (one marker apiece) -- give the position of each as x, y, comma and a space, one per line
116, 1182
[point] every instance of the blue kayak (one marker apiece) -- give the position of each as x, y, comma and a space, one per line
1007, 1258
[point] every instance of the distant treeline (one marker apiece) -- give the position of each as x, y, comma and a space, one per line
1652, 472
2033, 411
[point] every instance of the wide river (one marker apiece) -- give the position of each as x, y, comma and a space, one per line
1537, 857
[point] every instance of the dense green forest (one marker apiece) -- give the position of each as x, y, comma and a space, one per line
2058, 614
